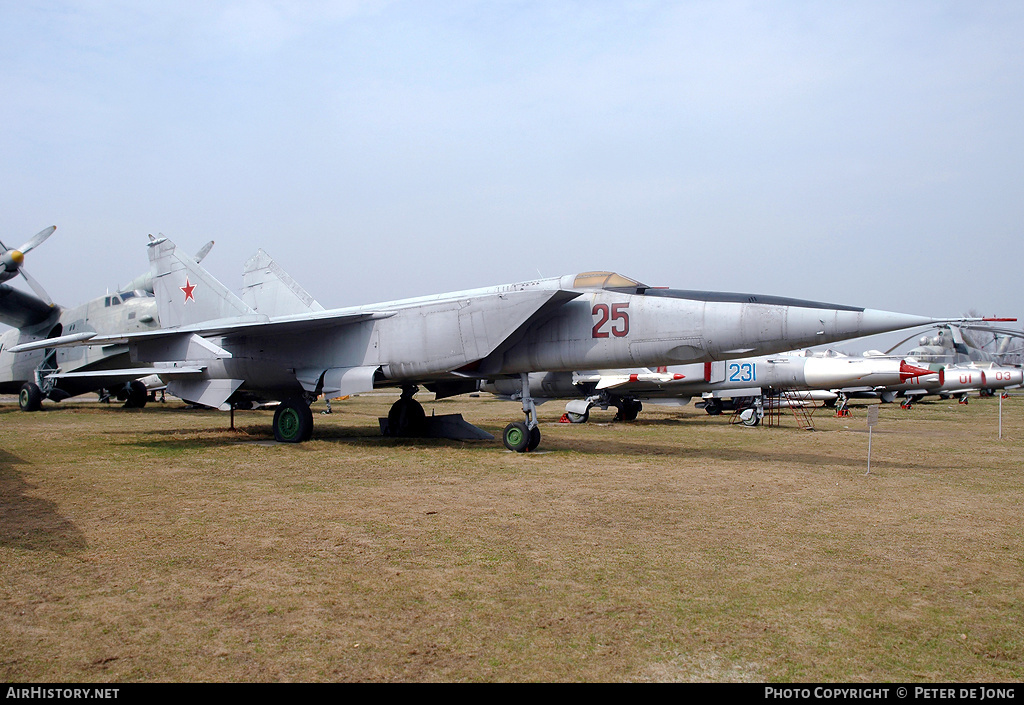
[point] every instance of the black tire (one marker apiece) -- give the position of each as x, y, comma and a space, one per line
517, 437
293, 422
406, 419
137, 395
713, 407
629, 410
534, 439
30, 398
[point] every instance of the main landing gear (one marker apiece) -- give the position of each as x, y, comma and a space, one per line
406, 418
523, 436
842, 405
629, 409
30, 398
293, 421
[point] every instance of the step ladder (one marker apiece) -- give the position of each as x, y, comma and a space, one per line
800, 404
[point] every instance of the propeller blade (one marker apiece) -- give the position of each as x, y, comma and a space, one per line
912, 335
36, 287
37, 240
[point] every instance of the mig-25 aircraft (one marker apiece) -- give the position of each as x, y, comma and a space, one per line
231, 353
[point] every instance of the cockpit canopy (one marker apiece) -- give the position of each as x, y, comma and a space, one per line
606, 280
122, 296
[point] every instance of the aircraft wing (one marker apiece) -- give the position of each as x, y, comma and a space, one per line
250, 326
128, 373
19, 309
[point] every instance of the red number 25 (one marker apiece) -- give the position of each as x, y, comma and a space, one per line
619, 320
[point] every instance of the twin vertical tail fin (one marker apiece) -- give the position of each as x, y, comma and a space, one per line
187, 294
270, 290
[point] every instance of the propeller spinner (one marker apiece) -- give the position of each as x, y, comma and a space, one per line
11, 262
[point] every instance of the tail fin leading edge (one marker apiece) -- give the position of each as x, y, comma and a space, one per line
187, 294
270, 290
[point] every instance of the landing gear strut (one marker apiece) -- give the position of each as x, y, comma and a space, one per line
523, 436
842, 405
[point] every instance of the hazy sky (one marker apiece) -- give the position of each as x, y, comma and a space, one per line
861, 153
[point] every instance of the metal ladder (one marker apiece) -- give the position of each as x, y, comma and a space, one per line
796, 405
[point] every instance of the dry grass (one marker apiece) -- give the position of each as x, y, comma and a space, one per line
161, 546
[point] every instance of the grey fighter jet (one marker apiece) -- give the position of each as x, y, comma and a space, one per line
448, 342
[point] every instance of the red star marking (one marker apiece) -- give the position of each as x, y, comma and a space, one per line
188, 289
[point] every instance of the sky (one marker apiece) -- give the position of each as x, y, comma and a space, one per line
868, 153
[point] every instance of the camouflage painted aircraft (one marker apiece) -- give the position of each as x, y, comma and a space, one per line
232, 354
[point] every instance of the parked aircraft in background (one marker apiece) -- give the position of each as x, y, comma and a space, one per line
954, 381
959, 344
447, 342
53, 373
714, 382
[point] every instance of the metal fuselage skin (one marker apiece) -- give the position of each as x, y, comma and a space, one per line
105, 315
959, 379
578, 321
745, 375
428, 339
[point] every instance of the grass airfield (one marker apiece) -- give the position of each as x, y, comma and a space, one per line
160, 545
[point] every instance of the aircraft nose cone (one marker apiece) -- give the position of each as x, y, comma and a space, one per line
17, 257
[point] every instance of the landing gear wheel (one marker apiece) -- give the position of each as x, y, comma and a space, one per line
750, 419
517, 437
137, 395
713, 407
534, 439
406, 419
293, 422
30, 398
578, 418
629, 410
